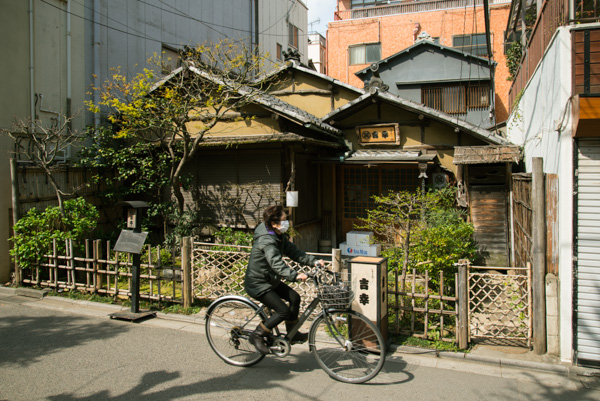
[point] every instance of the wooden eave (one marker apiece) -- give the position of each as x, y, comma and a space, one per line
486, 154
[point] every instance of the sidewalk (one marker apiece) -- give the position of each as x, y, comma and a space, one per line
492, 360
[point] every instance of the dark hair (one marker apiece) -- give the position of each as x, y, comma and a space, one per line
272, 214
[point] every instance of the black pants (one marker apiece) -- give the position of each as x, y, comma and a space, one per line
281, 312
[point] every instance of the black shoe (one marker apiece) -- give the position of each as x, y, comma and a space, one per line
257, 338
298, 338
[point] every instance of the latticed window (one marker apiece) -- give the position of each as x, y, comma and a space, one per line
360, 184
478, 97
456, 99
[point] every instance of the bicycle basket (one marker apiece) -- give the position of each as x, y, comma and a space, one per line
336, 296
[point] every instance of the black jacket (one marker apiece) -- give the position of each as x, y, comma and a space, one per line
266, 267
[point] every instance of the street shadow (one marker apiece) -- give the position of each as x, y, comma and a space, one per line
395, 371
271, 373
25, 340
548, 391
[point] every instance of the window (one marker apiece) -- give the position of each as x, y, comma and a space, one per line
514, 36
360, 184
170, 59
456, 99
279, 52
365, 54
293, 35
474, 44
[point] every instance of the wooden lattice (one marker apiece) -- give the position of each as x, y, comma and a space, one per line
500, 304
104, 271
219, 270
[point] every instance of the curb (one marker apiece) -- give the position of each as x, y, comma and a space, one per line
515, 363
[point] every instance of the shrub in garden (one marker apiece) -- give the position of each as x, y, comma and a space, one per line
35, 232
422, 230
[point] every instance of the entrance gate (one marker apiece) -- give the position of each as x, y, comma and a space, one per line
500, 303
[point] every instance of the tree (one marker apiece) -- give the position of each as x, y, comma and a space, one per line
174, 114
422, 229
43, 146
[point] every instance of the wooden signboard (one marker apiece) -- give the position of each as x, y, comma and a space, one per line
383, 134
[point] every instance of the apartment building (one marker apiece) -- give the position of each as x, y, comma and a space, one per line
367, 31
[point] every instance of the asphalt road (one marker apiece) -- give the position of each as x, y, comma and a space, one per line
48, 354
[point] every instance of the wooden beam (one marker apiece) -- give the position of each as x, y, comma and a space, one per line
539, 256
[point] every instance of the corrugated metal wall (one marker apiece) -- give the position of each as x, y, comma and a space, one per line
587, 301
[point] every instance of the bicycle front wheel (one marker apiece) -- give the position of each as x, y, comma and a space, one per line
228, 327
347, 345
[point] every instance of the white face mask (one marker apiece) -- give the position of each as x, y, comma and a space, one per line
285, 225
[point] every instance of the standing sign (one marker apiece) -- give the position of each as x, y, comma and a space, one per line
132, 241
370, 292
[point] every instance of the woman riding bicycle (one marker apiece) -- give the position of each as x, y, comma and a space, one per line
265, 270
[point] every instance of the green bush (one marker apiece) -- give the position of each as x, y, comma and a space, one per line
35, 232
228, 236
423, 231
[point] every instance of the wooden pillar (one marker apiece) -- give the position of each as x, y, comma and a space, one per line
463, 304
186, 267
539, 256
14, 180
336, 260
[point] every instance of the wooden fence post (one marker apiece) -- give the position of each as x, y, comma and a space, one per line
96, 265
186, 266
18, 278
538, 202
336, 260
463, 304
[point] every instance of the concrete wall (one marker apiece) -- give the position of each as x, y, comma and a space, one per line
395, 33
541, 123
274, 16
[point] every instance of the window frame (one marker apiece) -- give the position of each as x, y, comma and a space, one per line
457, 98
293, 33
364, 46
470, 47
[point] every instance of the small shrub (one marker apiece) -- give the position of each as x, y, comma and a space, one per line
35, 232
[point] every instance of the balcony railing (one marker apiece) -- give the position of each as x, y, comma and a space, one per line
410, 7
554, 14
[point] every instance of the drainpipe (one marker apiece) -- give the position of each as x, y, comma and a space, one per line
96, 59
70, 124
31, 68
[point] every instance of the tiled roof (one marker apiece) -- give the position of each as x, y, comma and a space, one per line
278, 106
447, 119
429, 43
293, 65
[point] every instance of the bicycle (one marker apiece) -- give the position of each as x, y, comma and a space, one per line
346, 345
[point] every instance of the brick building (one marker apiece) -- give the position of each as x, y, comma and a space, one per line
366, 31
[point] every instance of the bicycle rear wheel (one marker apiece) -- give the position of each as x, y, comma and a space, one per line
347, 346
228, 326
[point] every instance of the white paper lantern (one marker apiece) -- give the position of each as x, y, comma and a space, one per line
292, 199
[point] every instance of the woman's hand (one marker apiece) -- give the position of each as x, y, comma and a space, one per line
301, 277
320, 262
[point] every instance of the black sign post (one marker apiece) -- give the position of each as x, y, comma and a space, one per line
132, 241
